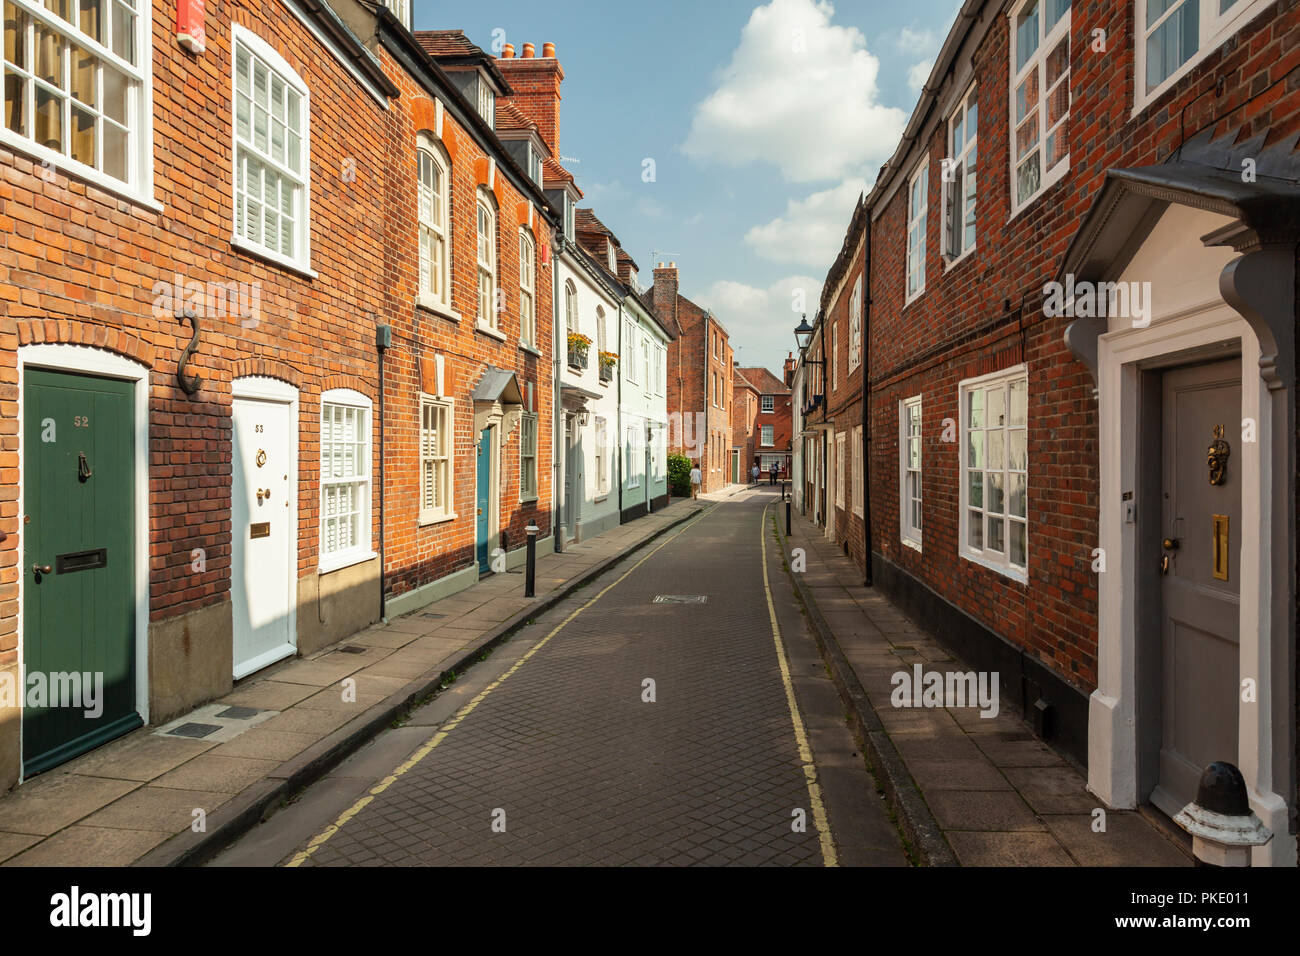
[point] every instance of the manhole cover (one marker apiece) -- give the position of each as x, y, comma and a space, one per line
352, 649
681, 599
432, 615
235, 713
195, 730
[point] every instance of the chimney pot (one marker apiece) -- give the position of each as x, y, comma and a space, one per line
529, 51
548, 50
508, 51
660, 266
672, 265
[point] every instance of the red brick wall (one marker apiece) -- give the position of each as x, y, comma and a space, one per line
415, 554
79, 264
744, 431
984, 314
692, 361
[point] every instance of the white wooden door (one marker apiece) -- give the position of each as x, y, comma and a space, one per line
264, 522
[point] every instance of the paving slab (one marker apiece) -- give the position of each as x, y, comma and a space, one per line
982, 810
1008, 849
1126, 834
81, 846
221, 774
157, 808
52, 802
142, 756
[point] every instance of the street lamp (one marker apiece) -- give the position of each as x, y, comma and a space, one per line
803, 334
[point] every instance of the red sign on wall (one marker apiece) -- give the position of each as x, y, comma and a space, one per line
189, 25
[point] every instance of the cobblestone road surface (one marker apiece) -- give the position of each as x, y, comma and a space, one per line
568, 759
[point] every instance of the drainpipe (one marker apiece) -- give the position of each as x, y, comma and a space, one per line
383, 339
866, 407
708, 433
557, 409
618, 430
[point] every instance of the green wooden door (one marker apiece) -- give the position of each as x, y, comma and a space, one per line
78, 574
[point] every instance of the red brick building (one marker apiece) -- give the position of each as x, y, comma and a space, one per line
772, 423
744, 434
469, 376
1039, 490
188, 450
699, 379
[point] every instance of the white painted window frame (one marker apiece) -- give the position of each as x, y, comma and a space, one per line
1214, 30
138, 188
917, 219
446, 409
301, 177
908, 533
439, 299
956, 204
840, 439
767, 404
1047, 42
767, 436
857, 474
527, 288
1001, 563
361, 549
487, 256
527, 421
855, 323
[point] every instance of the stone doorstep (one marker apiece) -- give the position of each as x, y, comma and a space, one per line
992, 800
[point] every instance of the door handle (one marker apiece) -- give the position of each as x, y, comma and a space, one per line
1170, 544
42, 569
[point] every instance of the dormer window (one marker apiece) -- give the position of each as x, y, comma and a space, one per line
535, 165
613, 257
486, 101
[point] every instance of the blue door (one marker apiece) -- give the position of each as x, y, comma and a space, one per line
483, 496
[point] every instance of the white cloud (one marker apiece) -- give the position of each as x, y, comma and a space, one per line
811, 230
800, 93
916, 41
761, 321
918, 73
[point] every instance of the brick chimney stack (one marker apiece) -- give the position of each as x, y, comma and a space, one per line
536, 81
665, 288
789, 370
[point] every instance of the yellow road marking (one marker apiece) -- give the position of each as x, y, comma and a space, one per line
820, 819
426, 748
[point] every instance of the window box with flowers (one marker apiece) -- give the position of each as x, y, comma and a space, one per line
579, 344
607, 362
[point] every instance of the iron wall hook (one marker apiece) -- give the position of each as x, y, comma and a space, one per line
189, 383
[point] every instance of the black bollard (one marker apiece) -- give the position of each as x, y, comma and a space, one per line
787, 517
530, 565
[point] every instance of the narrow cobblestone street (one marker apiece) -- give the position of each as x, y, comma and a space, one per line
562, 759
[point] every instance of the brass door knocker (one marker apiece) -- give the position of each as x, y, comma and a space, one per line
1217, 457
261, 457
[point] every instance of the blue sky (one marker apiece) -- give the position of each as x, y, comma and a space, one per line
764, 122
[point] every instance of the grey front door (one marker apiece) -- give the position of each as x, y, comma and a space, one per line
1200, 580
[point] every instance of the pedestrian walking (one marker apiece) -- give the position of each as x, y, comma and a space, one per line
696, 479
753, 474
